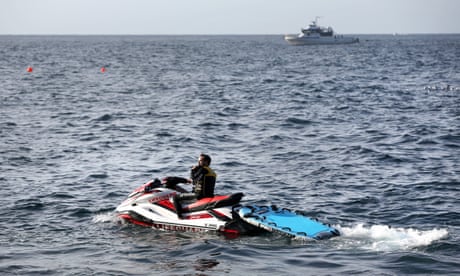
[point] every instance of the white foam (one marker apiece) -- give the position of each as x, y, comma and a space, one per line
385, 238
106, 217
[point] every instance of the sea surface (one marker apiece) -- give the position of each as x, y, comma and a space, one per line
365, 137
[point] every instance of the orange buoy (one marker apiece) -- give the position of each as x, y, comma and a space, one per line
103, 70
29, 69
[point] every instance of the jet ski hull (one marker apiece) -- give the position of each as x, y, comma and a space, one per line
152, 206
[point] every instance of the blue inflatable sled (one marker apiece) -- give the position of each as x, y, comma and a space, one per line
286, 222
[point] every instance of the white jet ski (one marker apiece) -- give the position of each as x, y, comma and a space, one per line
152, 205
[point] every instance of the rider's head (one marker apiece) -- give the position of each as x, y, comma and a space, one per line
204, 160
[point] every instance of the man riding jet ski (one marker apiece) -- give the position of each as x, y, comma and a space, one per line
203, 179
166, 205
152, 205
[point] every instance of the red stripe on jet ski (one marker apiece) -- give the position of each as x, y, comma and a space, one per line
130, 219
166, 204
230, 233
199, 216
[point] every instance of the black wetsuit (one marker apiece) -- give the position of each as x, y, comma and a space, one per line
204, 181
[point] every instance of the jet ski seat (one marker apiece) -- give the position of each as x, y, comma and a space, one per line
213, 202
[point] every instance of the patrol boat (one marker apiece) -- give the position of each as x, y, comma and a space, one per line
315, 34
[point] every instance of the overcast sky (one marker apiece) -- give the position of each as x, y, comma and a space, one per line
226, 16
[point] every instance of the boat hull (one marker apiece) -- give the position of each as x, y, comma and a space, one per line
306, 40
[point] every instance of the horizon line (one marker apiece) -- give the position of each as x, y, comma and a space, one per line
214, 34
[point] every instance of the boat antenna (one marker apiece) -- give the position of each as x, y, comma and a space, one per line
316, 19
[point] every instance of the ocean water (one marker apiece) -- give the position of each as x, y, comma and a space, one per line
365, 137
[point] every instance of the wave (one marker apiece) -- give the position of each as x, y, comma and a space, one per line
386, 238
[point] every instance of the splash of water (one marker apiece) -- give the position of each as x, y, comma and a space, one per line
385, 238
106, 217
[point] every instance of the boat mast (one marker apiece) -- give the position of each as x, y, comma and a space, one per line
316, 20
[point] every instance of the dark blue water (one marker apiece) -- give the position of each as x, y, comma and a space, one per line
365, 137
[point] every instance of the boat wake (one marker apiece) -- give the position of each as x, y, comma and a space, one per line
385, 238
